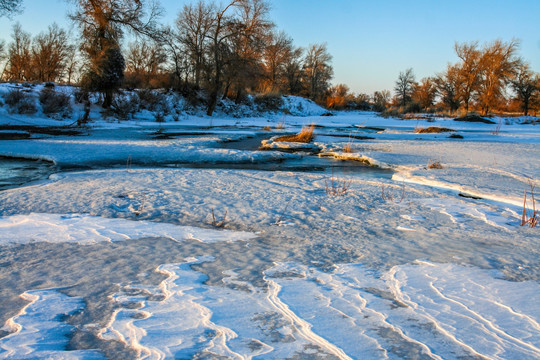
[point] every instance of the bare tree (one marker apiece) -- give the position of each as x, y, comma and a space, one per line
103, 23
404, 86
10, 7
317, 70
293, 71
498, 67
193, 26
277, 54
424, 93
144, 62
50, 52
448, 87
526, 85
222, 30
381, 99
234, 26
244, 67
19, 55
2, 50
469, 71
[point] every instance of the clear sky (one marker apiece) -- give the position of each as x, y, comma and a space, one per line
371, 41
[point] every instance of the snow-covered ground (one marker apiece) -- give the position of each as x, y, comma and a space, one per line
174, 240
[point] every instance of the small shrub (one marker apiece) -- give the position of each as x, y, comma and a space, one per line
20, 102
150, 99
304, 136
193, 96
412, 107
497, 128
269, 102
392, 112
348, 148
81, 96
55, 103
159, 117
124, 106
336, 186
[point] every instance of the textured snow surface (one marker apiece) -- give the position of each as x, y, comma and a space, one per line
126, 258
84, 230
438, 311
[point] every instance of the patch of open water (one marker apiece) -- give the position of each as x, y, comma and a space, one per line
16, 172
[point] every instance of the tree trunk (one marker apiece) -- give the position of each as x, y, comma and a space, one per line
212, 102
107, 101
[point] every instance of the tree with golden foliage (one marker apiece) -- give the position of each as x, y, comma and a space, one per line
144, 63
276, 55
424, 93
448, 87
498, 65
19, 55
50, 54
468, 71
337, 96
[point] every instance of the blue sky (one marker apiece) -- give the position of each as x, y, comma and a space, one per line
371, 41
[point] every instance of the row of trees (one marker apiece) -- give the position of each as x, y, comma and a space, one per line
485, 78
48, 56
233, 49
226, 50
491, 77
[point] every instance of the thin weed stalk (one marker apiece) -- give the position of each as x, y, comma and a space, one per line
280, 219
129, 163
221, 223
336, 186
386, 196
530, 218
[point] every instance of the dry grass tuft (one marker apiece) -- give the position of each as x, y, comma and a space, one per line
432, 130
304, 136
530, 218
386, 196
347, 148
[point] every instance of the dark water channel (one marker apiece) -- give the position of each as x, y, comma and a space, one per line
16, 172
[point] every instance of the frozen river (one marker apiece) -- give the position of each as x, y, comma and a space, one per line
156, 243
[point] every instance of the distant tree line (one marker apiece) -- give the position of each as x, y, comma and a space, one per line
486, 78
231, 49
